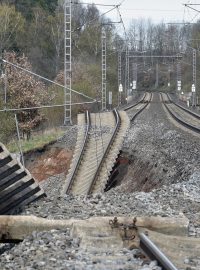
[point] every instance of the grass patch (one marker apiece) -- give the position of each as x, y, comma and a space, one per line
36, 141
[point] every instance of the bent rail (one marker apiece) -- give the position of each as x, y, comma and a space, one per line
117, 126
99, 155
84, 145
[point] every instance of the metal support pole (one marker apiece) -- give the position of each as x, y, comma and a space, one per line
103, 44
178, 75
135, 72
19, 140
4, 76
119, 77
134, 86
169, 77
156, 84
67, 62
126, 73
194, 77
5, 89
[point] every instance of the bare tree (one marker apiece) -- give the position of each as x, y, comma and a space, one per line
11, 25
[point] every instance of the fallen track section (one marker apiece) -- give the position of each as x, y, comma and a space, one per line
17, 186
99, 141
182, 115
140, 106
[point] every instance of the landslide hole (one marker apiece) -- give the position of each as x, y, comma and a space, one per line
131, 174
49, 161
118, 172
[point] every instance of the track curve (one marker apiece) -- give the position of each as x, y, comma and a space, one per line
92, 163
181, 115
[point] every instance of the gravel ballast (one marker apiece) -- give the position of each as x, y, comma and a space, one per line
163, 179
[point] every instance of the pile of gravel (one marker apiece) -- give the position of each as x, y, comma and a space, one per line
160, 152
68, 140
173, 200
56, 249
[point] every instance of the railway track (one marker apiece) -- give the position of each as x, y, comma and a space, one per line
182, 115
99, 141
154, 253
17, 186
141, 240
135, 104
138, 107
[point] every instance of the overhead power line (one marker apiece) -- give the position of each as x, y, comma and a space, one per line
43, 78
155, 56
156, 10
189, 6
103, 5
125, 34
43, 106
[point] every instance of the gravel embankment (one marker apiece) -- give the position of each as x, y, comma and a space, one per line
164, 160
160, 152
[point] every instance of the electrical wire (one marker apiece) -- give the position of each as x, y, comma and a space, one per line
125, 34
156, 10
93, 20
103, 5
44, 106
48, 80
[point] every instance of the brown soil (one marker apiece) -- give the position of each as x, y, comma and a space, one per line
51, 162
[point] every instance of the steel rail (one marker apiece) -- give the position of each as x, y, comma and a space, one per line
84, 145
117, 126
154, 253
139, 111
183, 108
135, 104
178, 119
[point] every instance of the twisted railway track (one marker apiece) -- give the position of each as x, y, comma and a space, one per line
182, 115
99, 141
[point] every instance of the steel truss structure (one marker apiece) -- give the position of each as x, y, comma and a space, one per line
119, 77
67, 62
103, 61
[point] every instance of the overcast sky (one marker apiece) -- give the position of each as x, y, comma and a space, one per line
157, 10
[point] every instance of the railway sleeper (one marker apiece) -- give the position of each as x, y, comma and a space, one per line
17, 186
